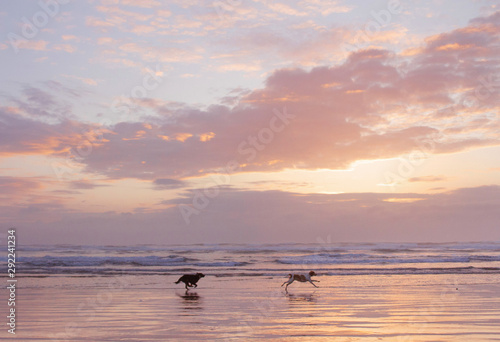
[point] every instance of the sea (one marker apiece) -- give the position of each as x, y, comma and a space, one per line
264, 260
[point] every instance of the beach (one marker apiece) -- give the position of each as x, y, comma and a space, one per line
354, 307
347, 308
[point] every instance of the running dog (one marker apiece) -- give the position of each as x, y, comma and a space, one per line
300, 277
190, 279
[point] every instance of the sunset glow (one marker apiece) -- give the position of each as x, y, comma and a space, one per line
180, 121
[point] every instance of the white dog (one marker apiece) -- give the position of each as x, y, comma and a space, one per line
300, 277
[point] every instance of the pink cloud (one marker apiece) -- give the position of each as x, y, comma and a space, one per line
168, 184
84, 184
305, 45
38, 45
10, 186
341, 114
142, 3
285, 9
25, 199
96, 22
376, 104
64, 47
22, 135
428, 179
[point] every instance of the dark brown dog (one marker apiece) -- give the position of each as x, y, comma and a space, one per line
190, 279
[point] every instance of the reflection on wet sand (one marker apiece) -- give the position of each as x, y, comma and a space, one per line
190, 300
302, 297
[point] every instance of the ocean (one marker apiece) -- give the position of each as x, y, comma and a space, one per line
266, 260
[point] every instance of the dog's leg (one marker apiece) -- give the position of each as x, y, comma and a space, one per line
311, 281
289, 281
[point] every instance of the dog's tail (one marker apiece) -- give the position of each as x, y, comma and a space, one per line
289, 276
178, 281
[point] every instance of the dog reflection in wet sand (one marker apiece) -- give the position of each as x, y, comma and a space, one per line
190, 296
300, 277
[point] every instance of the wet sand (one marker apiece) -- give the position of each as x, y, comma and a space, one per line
344, 308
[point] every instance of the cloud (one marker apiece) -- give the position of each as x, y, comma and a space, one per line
285, 9
147, 21
364, 217
303, 44
275, 216
428, 179
64, 47
67, 37
142, 3
23, 135
240, 67
86, 80
105, 40
96, 22
38, 45
10, 186
23, 197
162, 54
325, 7
38, 97
84, 185
376, 104
310, 8
372, 106
47, 101
168, 184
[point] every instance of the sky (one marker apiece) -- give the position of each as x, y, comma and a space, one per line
249, 121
